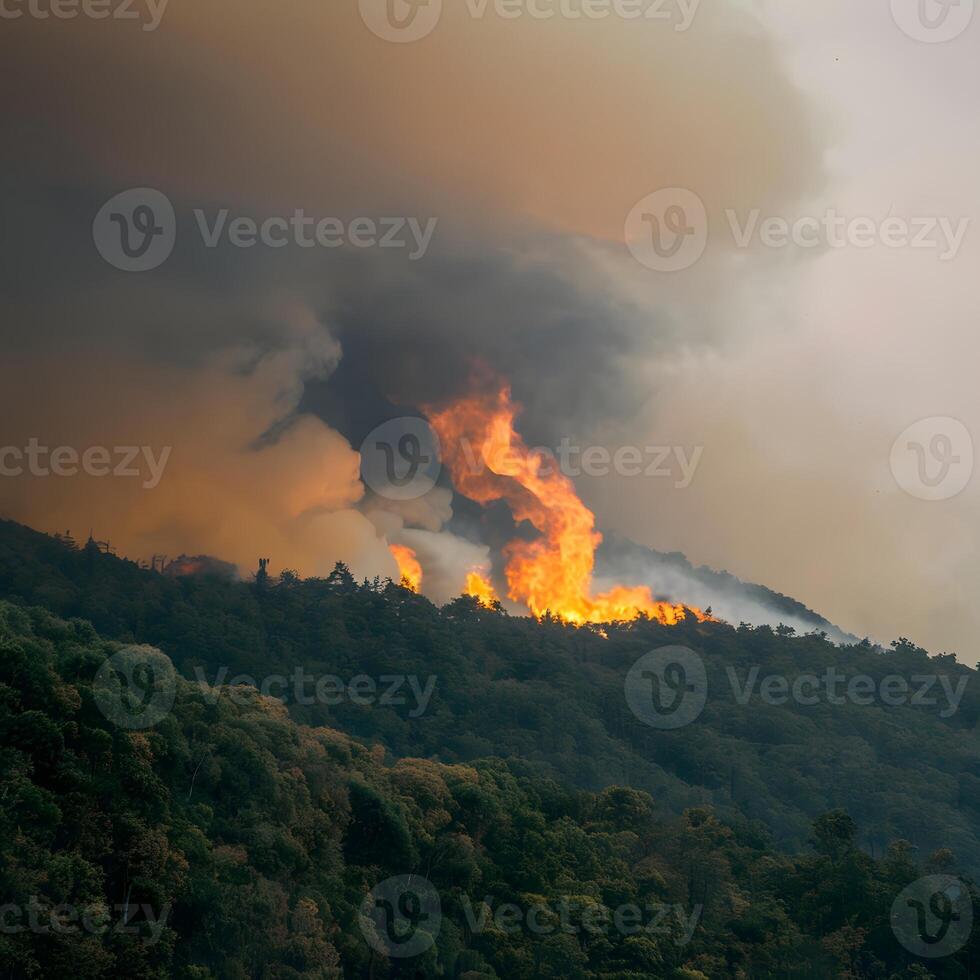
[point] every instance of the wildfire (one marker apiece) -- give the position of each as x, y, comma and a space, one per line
408, 566
480, 589
489, 461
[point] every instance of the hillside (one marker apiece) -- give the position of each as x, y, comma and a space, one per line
730, 597
475, 683
225, 841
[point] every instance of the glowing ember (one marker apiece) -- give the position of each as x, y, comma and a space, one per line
408, 566
480, 589
489, 461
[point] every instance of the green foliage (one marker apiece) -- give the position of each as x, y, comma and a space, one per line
551, 696
245, 844
240, 835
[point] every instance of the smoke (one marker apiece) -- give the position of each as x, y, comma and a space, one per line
264, 371
244, 474
529, 163
729, 598
446, 558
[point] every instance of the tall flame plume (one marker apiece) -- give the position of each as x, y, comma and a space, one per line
488, 461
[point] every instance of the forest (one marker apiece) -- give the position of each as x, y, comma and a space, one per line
491, 762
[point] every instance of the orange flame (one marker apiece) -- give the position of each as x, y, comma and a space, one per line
408, 566
480, 589
489, 461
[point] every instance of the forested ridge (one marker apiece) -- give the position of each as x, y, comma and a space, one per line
552, 695
241, 835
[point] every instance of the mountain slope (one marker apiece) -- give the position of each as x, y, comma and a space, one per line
224, 841
730, 598
476, 683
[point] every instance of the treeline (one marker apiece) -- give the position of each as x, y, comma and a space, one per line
226, 841
551, 697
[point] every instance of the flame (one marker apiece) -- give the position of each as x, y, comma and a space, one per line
489, 461
408, 566
480, 589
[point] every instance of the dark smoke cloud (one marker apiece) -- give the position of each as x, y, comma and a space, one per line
419, 338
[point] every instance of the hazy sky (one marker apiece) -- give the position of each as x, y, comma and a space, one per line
794, 369
827, 362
